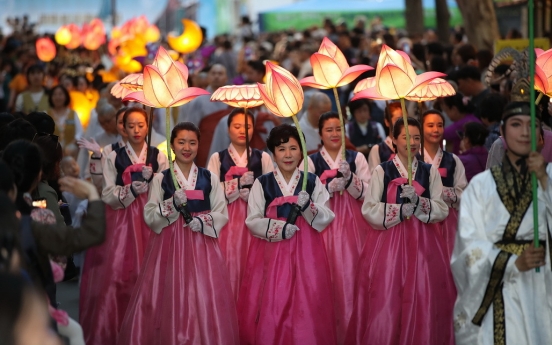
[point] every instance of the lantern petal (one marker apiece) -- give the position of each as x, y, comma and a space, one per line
311, 82
393, 82
426, 77
139, 97
370, 93
287, 98
541, 82
325, 70
389, 56
183, 71
352, 73
328, 48
174, 80
365, 84
163, 61
186, 95
155, 88
544, 61
404, 55
268, 100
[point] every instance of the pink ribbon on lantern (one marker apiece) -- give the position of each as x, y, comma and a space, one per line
234, 171
127, 178
443, 172
394, 185
271, 210
328, 174
194, 194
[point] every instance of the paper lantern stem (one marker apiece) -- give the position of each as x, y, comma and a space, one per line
150, 127
246, 136
304, 149
407, 132
338, 104
168, 136
539, 98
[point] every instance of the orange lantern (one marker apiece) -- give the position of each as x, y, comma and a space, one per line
190, 39
75, 41
152, 34
45, 49
93, 34
63, 35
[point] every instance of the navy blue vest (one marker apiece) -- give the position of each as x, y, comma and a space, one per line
272, 191
320, 164
255, 163
122, 161
448, 163
391, 173
385, 152
203, 183
370, 138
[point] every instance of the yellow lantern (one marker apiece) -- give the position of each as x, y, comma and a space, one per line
190, 39
63, 36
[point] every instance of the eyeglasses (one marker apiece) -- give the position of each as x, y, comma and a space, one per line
53, 137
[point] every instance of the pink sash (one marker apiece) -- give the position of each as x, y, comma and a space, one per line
328, 174
194, 194
271, 210
443, 172
127, 178
394, 185
234, 171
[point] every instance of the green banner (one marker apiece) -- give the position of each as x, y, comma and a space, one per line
277, 21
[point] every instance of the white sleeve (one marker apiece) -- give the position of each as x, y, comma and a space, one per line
380, 215
78, 128
212, 222
19, 102
434, 209
268, 164
117, 197
453, 197
359, 179
310, 163
268, 229
381, 131
96, 167
373, 157
318, 213
162, 161
159, 213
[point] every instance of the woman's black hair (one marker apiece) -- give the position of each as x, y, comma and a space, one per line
389, 111
65, 93
17, 129
280, 135
464, 105
134, 110
25, 161
491, 107
120, 112
6, 118
36, 68
52, 155
399, 125
476, 133
7, 181
325, 117
10, 241
355, 105
42, 122
240, 111
185, 126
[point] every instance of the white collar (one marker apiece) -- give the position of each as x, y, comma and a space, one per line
389, 143
186, 183
133, 157
402, 170
240, 161
436, 161
331, 163
288, 189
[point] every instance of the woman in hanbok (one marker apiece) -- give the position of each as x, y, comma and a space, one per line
286, 293
451, 169
183, 294
109, 274
404, 291
385, 151
347, 182
237, 171
501, 299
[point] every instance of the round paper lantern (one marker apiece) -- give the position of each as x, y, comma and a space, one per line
63, 35
152, 34
45, 49
190, 39
75, 36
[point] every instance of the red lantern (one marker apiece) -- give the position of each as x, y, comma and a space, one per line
45, 49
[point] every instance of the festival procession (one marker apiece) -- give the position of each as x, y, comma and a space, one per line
313, 173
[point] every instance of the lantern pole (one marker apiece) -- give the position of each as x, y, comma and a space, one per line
246, 136
407, 132
534, 185
168, 136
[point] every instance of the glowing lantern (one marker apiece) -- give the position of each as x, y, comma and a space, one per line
63, 35
190, 39
543, 73
239, 96
152, 34
93, 34
45, 49
75, 41
434, 89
